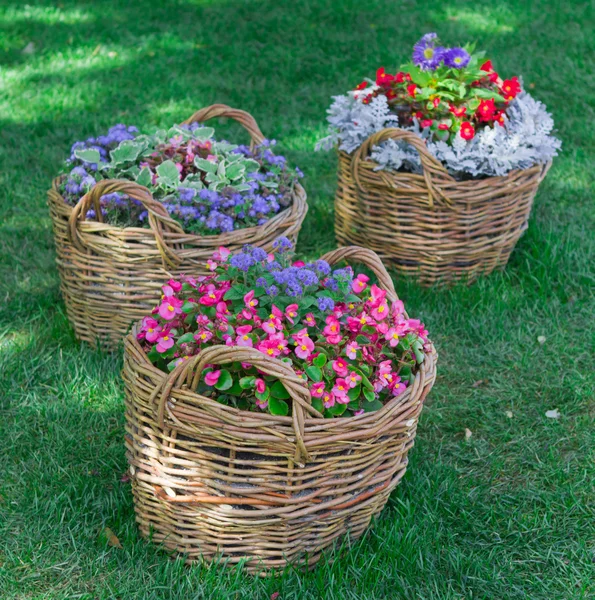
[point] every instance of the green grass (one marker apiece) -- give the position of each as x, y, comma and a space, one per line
506, 514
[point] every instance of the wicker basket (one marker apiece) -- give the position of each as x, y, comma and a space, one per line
111, 276
214, 483
431, 226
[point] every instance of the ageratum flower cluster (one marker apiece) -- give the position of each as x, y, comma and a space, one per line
473, 121
354, 350
209, 187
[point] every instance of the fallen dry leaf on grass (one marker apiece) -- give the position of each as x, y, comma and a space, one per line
480, 382
112, 538
509, 414
553, 414
541, 339
468, 433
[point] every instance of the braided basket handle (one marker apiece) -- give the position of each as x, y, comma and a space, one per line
189, 373
159, 219
245, 119
433, 170
366, 257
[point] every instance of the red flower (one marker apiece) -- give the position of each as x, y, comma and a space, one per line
499, 117
390, 94
443, 126
426, 123
400, 77
457, 112
436, 102
486, 109
467, 130
511, 87
367, 99
362, 86
383, 78
419, 114
412, 89
487, 66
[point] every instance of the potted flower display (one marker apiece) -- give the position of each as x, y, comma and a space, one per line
439, 162
132, 209
271, 405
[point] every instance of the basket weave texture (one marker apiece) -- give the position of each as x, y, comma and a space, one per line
112, 276
213, 482
431, 226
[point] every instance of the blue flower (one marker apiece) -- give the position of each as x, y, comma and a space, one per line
272, 290
326, 304
307, 277
282, 244
457, 58
322, 267
242, 261
426, 54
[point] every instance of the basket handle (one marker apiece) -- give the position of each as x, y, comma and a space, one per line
245, 119
159, 219
433, 171
189, 372
366, 257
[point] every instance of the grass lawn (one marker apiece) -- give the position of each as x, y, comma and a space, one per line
506, 514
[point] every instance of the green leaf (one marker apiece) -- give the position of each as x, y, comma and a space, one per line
373, 406
353, 393
225, 381
144, 177
251, 166
205, 165
264, 396
314, 373
362, 339
318, 404
127, 151
168, 172
235, 171
369, 395
247, 382
203, 133
337, 409
320, 360
278, 391
89, 155
189, 307
278, 407
235, 389
186, 338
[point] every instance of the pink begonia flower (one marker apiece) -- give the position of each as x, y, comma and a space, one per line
211, 264
300, 335
167, 291
228, 339
262, 404
353, 379
380, 312
246, 366
211, 297
385, 367
249, 300
221, 254
176, 286
416, 326
304, 348
152, 329
203, 320
359, 412
181, 360
397, 308
272, 324
377, 295
170, 307
309, 320
291, 312
222, 311
351, 350
340, 367
392, 337
399, 388
342, 399
260, 385
164, 342
203, 336
269, 347
317, 390
212, 377
332, 331
299, 263
277, 312
279, 339
328, 399
359, 284
340, 389
243, 339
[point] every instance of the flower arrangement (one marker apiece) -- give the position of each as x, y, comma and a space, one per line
335, 328
208, 186
473, 121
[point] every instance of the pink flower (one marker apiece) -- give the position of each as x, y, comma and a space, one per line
279, 339
176, 286
170, 307
309, 320
164, 342
262, 404
243, 339
299, 263
340, 389
356, 323
221, 254
397, 308
399, 387
340, 367
212, 377
351, 350
272, 324
392, 337
167, 291
203, 336
416, 326
260, 385
359, 284
151, 329
250, 301
211, 265
377, 295
222, 310
328, 399
359, 412
332, 331
353, 379
269, 347
304, 348
317, 389
211, 297
380, 312
291, 312
300, 335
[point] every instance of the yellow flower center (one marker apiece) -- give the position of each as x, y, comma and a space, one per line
395, 336
429, 52
150, 330
304, 347
381, 308
245, 337
170, 308
270, 351
165, 338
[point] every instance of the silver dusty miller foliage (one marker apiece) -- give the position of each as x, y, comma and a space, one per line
525, 139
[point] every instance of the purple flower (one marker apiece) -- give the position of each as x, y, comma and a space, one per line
282, 244
307, 277
272, 290
326, 304
242, 261
457, 58
426, 54
322, 267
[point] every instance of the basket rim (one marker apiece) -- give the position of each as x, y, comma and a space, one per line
299, 208
321, 424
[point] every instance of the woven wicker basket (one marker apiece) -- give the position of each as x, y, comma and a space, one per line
431, 226
212, 482
111, 276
